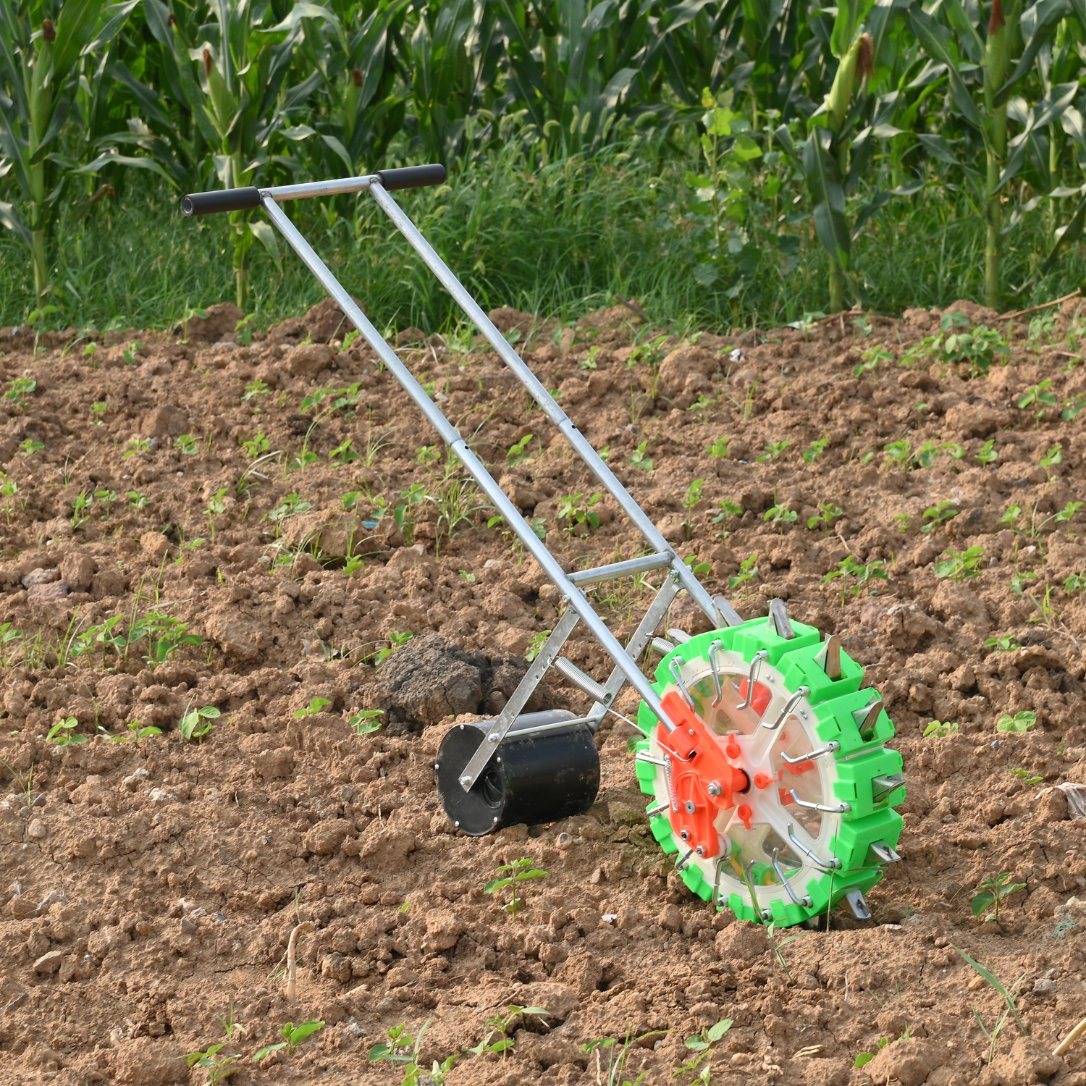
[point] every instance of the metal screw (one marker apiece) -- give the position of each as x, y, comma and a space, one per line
456, 825
714, 788
690, 808
700, 850
492, 737
684, 834
465, 780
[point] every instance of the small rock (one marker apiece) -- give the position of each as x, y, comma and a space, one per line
908, 1060
36, 830
671, 917
443, 929
327, 835
39, 594
40, 576
218, 322
309, 359
49, 963
134, 778
563, 841
54, 897
154, 545
166, 420
158, 795
77, 571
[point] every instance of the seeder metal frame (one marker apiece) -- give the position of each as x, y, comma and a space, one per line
569, 583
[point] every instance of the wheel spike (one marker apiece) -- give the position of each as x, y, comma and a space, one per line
714, 667
727, 612
826, 865
825, 808
661, 645
883, 785
679, 637
858, 905
829, 657
778, 616
648, 759
796, 899
884, 852
685, 859
657, 808
811, 755
676, 668
788, 709
752, 677
867, 717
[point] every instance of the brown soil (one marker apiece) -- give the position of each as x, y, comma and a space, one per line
149, 887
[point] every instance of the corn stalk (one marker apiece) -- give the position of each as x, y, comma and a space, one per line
44, 46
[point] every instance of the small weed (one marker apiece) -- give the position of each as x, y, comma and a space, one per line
136, 446
693, 493
871, 359
28, 446
1026, 777
293, 1035
618, 1054
217, 1064
778, 516
136, 732
728, 510
1018, 724
510, 876
1003, 643
403, 1049
20, 389
196, 724
959, 565
992, 1033
1040, 397
366, 721
815, 450
940, 729
1075, 582
290, 506
536, 644
255, 446
987, 453
186, 444
396, 640
1053, 457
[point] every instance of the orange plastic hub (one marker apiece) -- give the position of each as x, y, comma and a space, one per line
703, 780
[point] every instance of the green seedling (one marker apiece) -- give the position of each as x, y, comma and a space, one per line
693, 493
1075, 583
196, 724
536, 644
316, 705
136, 446
774, 450
185, 444
986, 454
518, 450
136, 732
640, 458
427, 454
510, 876
290, 506
64, 733
1026, 777
871, 359
1003, 643
718, 448
396, 640
938, 514
1039, 396
940, 729
861, 575
402, 1049
8, 636
499, 1025
992, 1033
1053, 457
1018, 724
815, 450
959, 565
255, 446
780, 516
254, 390
28, 446
20, 389
828, 514
366, 721
214, 1062
137, 500
344, 452
577, 511
864, 1058
748, 570
293, 1035
698, 1067
728, 510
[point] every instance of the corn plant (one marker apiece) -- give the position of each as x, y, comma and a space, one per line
983, 72
48, 56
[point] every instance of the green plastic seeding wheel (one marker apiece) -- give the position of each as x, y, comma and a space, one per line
793, 784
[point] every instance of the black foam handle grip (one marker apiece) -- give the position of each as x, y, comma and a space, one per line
208, 203
412, 177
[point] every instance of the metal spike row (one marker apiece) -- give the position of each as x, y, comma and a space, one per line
829, 657
884, 852
884, 784
752, 677
867, 717
788, 708
661, 645
778, 617
858, 905
680, 637
727, 612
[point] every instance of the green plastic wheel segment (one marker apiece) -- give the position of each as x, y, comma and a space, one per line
827, 785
